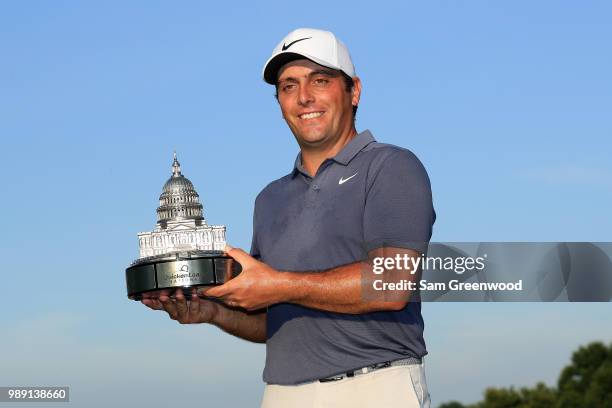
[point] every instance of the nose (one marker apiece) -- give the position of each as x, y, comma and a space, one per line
305, 96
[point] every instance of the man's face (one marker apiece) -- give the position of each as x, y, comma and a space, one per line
315, 102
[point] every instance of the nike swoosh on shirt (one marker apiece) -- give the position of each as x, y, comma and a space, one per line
344, 180
286, 47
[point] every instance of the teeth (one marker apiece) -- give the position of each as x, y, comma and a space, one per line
311, 115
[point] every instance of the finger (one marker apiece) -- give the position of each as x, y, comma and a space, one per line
205, 291
152, 304
239, 255
178, 294
231, 303
194, 306
163, 295
181, 304
157, 304
169, 306
218, 291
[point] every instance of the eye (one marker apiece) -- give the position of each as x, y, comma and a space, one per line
321, 81
287, 87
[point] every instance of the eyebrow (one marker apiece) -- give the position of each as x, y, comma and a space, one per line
326, 72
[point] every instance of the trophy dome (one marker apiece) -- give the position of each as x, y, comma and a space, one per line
178, 200
177, 185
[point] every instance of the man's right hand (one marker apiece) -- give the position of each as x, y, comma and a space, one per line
238, 322
196, 310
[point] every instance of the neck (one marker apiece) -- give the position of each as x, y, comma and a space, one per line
314, 156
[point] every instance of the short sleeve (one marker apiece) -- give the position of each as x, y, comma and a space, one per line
255, 252
398, 209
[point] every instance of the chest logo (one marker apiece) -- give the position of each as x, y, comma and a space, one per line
344, 180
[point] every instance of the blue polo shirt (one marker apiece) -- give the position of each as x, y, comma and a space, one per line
369, 196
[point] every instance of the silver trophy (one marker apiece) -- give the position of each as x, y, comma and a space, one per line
183, 251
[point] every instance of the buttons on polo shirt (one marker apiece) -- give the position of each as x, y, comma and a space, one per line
316, 187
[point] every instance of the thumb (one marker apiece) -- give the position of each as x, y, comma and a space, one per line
239, 255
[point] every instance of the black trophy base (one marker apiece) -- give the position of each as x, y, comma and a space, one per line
190, 270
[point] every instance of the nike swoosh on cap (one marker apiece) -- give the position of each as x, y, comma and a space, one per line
344, 180
286, 47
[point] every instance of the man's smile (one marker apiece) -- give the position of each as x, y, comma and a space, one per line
310, 115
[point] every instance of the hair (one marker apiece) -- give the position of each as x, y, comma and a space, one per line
348, 87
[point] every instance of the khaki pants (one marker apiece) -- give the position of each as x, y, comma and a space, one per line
401, 386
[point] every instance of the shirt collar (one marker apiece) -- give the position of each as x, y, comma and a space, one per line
344, 156
353, 147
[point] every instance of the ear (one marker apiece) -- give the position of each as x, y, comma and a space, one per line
356, 91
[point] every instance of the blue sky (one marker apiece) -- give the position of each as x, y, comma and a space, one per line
507, 105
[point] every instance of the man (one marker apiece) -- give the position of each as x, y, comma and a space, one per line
305, 290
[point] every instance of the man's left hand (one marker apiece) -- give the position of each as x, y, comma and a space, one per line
256, 287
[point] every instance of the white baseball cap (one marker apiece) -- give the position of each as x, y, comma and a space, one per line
321, 47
